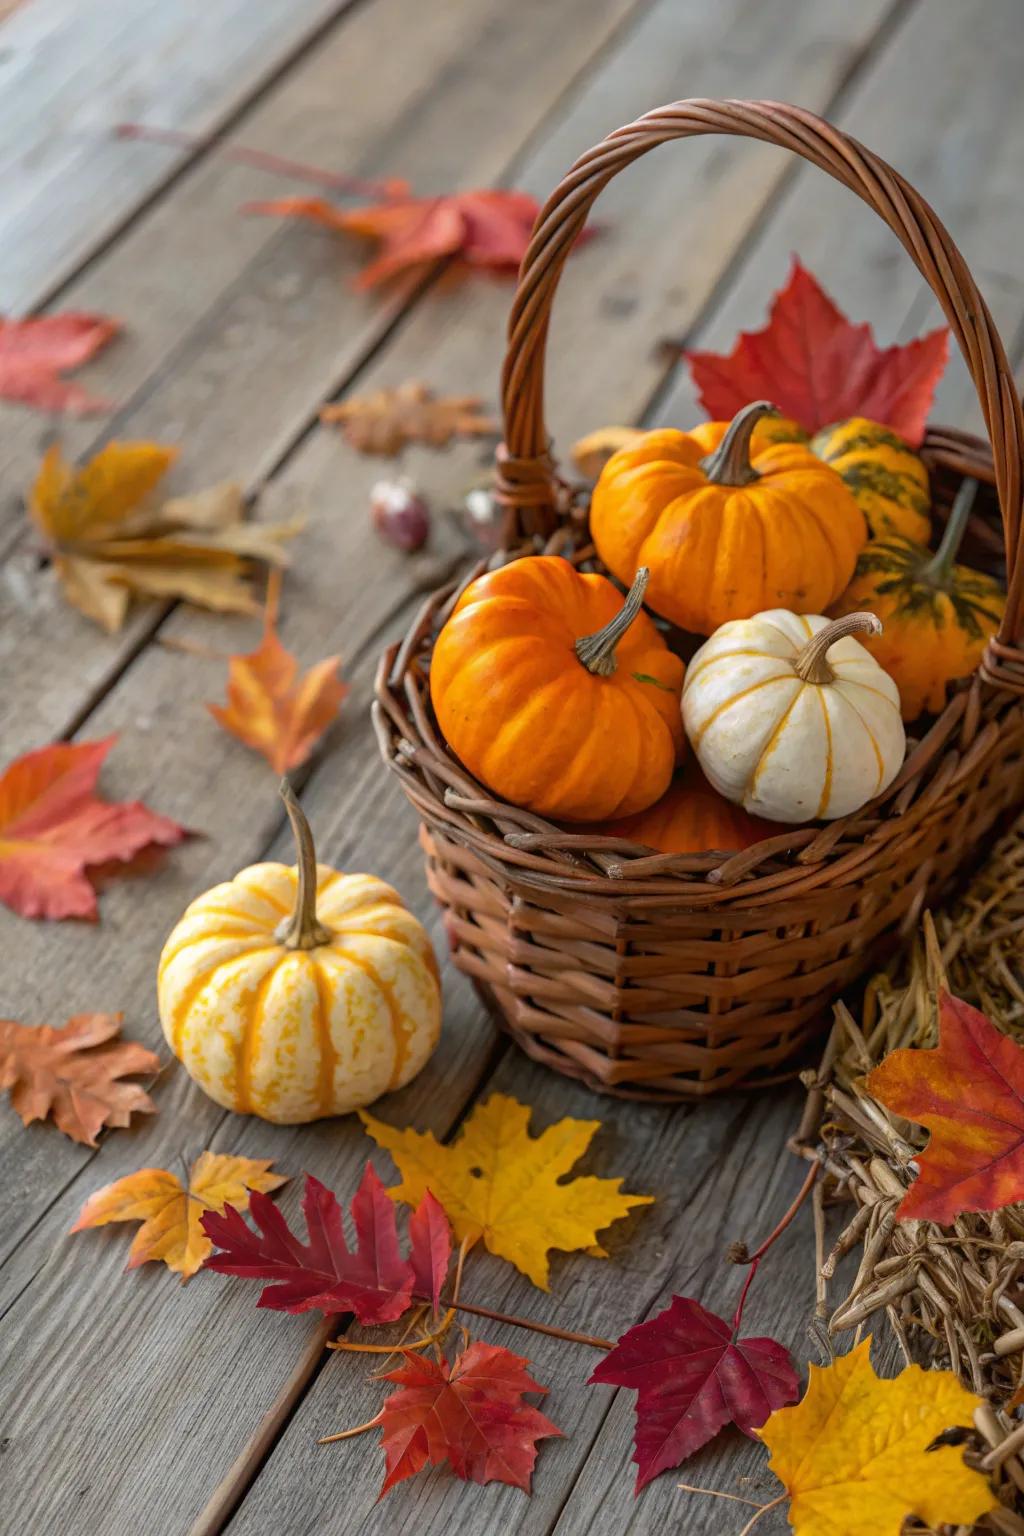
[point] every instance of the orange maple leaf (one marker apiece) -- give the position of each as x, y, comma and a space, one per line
171, 1215
485, 228
74, 1074
969, 1093
53, 827
270, 707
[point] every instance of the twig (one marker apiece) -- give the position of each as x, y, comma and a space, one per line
263, 160
527, 1322
754, 1259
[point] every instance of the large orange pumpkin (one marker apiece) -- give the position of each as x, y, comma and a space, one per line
692, 817
728, 521
557, 695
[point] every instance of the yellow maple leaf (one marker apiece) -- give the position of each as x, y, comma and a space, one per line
498, 1182
107, 541
853, 1453
170, 1213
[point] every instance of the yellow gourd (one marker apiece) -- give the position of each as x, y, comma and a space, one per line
298, 993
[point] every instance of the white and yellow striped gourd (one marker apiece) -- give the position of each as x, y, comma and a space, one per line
298, 993
791, 717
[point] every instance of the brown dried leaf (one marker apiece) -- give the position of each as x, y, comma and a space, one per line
107, 542
382, 423
73, 1075
590, 454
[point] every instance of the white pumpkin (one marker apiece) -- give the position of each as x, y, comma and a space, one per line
791, 717
298, 993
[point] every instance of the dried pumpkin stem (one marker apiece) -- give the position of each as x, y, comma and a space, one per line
937, 571
302, 930
597, 651
730, 463
811, 666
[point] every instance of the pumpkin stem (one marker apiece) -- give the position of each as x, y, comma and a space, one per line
302, 930
730, 463
597, 651
937, 571
811, 666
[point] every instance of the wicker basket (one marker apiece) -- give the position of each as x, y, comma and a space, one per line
675, 976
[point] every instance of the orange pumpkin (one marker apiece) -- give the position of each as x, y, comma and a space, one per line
555, 694
729, 522
692, 817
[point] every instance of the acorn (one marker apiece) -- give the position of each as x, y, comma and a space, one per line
400, 514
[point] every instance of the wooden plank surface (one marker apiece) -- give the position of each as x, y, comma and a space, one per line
70, 73
198, 1373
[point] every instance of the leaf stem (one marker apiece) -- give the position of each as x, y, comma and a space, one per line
360, 1429
716, 1493
763, 1511
526, 1322
262, 160
754, 1259
391, 1349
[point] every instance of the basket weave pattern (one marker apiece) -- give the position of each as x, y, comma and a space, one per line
676, 975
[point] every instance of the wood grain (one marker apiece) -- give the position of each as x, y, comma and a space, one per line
69, 73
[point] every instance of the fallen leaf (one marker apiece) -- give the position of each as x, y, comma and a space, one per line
382, 423
486, 228
692, 1377
969, 1093
270, 707
171, 1214
374, 1282
470, 1414
107, 542
498, 1182
53, 827
819, 368
590, 454
34, 353
74, 1075
854, 1453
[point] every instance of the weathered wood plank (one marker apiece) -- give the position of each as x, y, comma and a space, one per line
717, 1176
344, 588
237, 363
963, 163
70, 73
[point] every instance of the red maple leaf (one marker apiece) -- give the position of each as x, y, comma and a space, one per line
374, 1282
486, 228
53, 826
34, 353
969, 1092
692, 1377
819, 368
470, 1414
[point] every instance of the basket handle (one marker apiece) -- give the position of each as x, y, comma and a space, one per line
528, 483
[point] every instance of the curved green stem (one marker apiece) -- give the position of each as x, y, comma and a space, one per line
303, 929
940, 566
597, 651
730, 463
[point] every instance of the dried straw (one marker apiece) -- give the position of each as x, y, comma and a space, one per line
952, 1296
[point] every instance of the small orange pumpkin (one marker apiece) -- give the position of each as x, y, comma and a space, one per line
557, 695
692, 817
727, 532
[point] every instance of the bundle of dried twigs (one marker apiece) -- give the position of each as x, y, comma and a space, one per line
952, 1296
